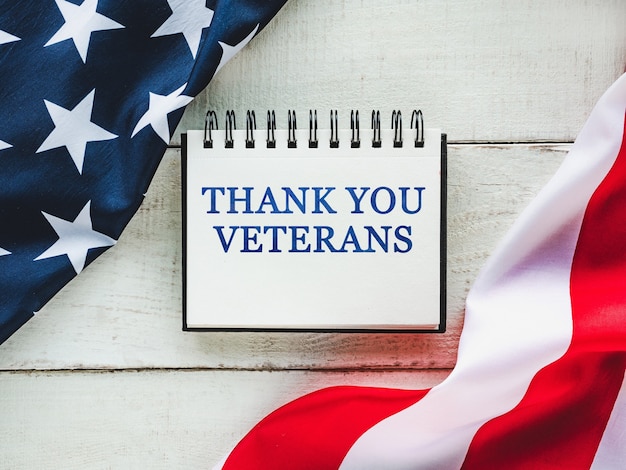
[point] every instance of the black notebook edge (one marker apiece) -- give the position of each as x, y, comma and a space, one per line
443, 233
183, 179
442, 271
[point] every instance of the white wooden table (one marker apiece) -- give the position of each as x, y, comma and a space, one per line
103, 376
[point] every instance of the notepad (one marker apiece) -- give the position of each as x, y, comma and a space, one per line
314, 229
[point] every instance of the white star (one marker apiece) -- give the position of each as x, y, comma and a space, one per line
80, 22
6, 37
230, 51
189, 17
158, 109
4, 145
73, 129
75, 238
4, 252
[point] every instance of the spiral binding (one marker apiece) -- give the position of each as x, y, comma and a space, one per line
376, 141
334, 131
419, 127
211, 125
313, 142
291, 136
355, 140
250, 128
271, 129
230, 126
396, 126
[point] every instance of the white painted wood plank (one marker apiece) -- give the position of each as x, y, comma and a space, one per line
157, 420
483, 70
124, 311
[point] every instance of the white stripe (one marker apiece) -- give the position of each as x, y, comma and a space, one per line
611, 453
220, 465
518, 316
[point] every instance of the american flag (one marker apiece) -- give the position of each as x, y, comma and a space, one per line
539, 382
91, 93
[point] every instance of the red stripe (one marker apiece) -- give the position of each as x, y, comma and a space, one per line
317, 430
560, 421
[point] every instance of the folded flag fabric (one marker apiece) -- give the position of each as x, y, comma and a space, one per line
91, 92
539, 381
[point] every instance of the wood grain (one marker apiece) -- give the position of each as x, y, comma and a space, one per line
484, 70
153, 419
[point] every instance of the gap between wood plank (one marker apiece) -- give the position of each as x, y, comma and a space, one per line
482, 143
338, 370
